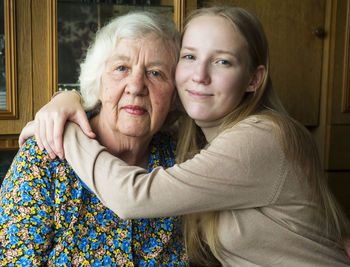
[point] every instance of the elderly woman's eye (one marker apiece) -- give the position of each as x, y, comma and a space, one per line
121, 68
155, 73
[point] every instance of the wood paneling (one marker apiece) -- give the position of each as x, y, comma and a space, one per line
338, 119
340, 184
190, 5
179, 13
346, 71
24, 70
339, 148
339, 71
44, 51
36, 59
11, 111
8, 142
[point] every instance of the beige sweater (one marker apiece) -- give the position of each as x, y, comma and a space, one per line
266, 218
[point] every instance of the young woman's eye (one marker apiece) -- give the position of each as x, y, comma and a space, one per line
224, 62
188, 57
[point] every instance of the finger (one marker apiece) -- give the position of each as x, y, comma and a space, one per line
58, 136
82, 120
26, 132
44, 139
21, 139
37, 134
49, 124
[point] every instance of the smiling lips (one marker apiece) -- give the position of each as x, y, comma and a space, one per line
199, 95
134, 110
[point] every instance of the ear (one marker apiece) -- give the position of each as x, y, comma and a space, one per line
257, 79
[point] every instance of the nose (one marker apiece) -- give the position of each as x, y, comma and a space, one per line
201, 73
136, 84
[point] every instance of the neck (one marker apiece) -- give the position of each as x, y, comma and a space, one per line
210, 128
133, 150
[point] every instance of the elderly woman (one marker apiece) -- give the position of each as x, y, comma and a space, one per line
47, 214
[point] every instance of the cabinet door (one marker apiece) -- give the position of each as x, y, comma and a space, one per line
338, 124
294, 29
20, 13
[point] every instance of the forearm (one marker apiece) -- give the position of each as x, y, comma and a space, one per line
130, 191
194, 186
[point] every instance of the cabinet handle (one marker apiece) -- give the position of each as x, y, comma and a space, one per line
320, 32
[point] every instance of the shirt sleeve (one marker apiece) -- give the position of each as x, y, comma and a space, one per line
26, 214
241, 168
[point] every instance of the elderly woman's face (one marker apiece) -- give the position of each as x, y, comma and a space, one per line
137, 86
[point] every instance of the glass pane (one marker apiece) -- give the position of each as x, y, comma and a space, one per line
78, 21
2, 59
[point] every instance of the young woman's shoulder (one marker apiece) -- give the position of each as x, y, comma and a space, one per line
253, 137
257, 122
253, 128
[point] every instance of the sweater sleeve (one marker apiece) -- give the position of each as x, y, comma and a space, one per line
241, 168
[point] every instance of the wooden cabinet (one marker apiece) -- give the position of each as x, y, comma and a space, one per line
337, 142
33, 61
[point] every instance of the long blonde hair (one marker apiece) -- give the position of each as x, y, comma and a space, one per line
200, 230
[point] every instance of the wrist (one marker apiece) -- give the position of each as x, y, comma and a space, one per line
72, 92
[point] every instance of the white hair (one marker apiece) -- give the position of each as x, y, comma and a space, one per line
133, 25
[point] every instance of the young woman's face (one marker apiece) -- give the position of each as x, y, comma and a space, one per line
212, 74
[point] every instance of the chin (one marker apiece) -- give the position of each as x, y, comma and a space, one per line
134, 129
134, 133
197, 117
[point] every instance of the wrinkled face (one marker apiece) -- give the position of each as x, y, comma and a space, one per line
212, 74
137, 86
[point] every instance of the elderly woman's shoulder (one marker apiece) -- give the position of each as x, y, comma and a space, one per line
31, 149
31, 165
32, 158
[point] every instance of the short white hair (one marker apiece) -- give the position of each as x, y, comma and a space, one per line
133, 25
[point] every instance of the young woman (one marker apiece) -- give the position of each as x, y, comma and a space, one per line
248, 176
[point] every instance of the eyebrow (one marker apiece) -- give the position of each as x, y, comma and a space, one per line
118, 57
157, 63
219, 51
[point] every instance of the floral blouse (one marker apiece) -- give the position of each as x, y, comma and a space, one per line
49, 217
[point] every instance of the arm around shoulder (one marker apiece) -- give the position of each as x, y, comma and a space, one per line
229, 174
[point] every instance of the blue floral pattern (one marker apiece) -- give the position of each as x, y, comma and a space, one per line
48, 216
